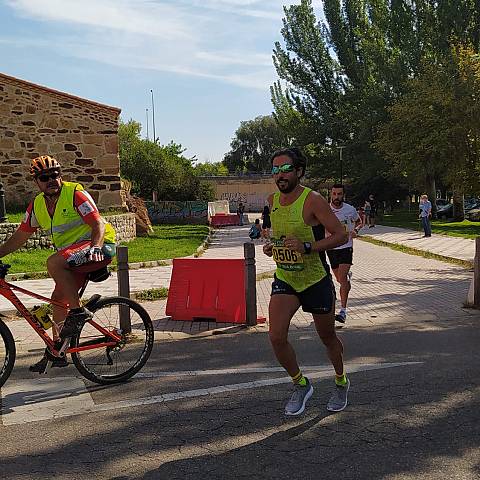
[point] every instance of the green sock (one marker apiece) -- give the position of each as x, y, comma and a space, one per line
341, 380
299, 379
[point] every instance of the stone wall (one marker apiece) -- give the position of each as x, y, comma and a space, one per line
177, 212
124, 226
80, 134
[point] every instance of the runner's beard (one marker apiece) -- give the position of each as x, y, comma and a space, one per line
337, 202
287, 185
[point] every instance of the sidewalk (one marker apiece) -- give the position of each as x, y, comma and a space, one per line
387, 285
453, 247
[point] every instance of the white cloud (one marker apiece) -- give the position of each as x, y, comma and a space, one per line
189, 37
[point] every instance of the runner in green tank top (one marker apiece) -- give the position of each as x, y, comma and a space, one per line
299, 218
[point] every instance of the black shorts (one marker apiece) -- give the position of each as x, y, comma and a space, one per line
317, 299
342, 256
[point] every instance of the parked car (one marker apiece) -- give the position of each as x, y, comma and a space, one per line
473, 215
470, 204
445, 211
441, 202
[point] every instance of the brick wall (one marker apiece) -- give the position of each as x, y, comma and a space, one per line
80, 134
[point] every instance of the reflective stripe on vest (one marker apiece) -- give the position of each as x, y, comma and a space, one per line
66, 227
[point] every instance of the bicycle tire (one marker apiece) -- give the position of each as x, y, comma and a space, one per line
7, 353
89, 362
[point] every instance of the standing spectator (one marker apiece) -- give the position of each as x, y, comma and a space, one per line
367, 209
373, 211
240, 212
266, 223
425, 214
361, 214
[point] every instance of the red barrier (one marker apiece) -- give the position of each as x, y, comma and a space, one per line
224, 220
204, 288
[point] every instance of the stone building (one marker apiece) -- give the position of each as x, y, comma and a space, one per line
80, 133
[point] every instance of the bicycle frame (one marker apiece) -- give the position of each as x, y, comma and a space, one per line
7, 291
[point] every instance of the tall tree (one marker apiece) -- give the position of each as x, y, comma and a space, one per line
343, 73
253, 144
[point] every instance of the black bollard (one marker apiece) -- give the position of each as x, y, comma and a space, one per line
3, 217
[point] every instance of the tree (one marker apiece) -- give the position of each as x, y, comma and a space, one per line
433, 132
343, 73
253, 144
156, 168
209, 169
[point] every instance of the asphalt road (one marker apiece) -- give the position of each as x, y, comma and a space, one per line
213, 408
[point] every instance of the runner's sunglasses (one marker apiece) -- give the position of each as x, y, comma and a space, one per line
45, 177
285, 168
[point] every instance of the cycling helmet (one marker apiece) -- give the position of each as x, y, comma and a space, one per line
43, 163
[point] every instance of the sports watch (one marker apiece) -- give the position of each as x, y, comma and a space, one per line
308, 247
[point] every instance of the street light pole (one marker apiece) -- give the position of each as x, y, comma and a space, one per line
146, 111
153, 118
341, 163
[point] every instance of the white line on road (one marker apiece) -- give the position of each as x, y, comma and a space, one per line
44, 399
224, 371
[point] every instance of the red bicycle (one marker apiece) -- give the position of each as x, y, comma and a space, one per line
110, 348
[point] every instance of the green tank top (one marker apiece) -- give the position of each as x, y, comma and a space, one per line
300, 271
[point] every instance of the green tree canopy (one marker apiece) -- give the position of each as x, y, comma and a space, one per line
342, 73
157, 168
253, 144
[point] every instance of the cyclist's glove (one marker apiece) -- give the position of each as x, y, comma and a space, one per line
94, 254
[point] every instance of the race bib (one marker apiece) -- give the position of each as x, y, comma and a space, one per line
285, 258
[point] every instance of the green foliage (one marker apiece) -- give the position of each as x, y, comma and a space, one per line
209, 169
253, 144
156, 168
434, 129
343, 73
152, 294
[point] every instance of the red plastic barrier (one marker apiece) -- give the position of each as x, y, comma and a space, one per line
204, 288
224, 220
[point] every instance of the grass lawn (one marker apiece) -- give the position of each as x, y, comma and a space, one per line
15, 217
167, 241
405, 219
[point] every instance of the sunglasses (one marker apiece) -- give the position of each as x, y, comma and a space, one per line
45, 177
285, 168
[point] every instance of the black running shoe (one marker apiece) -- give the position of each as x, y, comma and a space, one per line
40, 366
74, 322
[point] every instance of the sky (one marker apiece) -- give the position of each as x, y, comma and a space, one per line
208, 62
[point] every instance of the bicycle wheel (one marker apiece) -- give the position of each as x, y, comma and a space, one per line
7, 353
115, 364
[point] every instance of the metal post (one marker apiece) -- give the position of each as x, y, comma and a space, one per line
146, 111
3, 217
250, 284
476, 274
123, 287
153, 118
341, 163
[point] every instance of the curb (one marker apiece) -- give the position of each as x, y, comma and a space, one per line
206, 243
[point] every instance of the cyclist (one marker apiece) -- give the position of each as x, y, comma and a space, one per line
80, 236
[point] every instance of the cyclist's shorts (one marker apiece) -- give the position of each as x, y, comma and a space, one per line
318, 299
76, 250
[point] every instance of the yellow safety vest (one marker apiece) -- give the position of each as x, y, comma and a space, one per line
67, 226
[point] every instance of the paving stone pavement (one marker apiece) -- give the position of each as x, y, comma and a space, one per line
454, 247
387, 286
